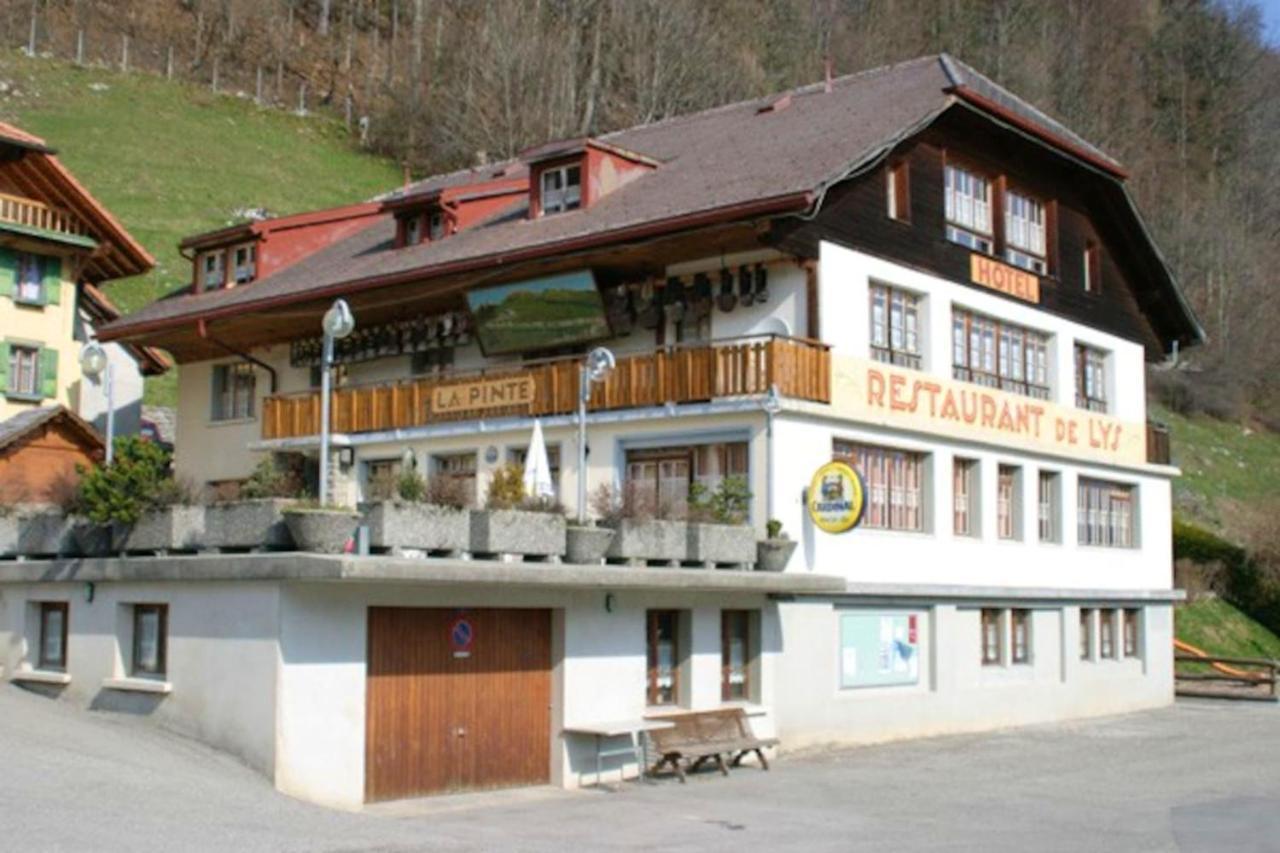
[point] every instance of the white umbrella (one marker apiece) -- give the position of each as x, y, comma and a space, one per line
537, 468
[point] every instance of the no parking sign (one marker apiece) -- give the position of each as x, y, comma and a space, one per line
461, 636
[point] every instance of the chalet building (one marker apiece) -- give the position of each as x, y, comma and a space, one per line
58, 245
909, 269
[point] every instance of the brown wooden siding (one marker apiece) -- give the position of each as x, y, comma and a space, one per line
42, 467
801, 369
437, 721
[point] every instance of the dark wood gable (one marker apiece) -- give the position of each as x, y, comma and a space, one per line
1078, 213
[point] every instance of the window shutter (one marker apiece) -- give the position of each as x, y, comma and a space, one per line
52, 267
4, 367
48, 373
8, 274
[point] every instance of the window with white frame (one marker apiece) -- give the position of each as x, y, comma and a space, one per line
1008, 517
895, 326
1092, 269
1105, 513
31, 278
999, 355
245, 266
1049, 506
992, 637
435, 225
234, 386
24, 370
561, 189
413, 230
1086, 633
1020, 629
1131, 632
1107, 633
1024, 232
212, 274
1091, 378
968, 209
898, 191
965, 490
895, 485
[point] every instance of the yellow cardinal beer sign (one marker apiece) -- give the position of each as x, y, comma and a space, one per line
837, 498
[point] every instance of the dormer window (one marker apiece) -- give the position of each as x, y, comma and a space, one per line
435, 225
212, 274
561, 189
413, 231
246, 263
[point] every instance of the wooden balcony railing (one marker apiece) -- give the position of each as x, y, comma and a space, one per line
1159, 451
682, 374
36, 214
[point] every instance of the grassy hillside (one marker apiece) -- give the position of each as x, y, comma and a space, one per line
170, 159
1216, 627
1229, 472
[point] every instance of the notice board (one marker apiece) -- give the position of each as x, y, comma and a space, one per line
879, 648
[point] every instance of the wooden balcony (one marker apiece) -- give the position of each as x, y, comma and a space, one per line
683, 374
29, 213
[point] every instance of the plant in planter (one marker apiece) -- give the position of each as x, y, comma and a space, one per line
510, 524
774, 551
115, 498
416, 516
322, 528
256, 521
717, 532
645, 530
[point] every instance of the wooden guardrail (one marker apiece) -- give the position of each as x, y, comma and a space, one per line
681, 374
37, 214
1226, 678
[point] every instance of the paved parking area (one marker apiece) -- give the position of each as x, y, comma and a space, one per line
1197, 776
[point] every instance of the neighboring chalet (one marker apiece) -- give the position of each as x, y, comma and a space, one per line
944, 287
58, 246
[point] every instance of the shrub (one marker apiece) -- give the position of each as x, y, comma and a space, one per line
411, 487
773, 529
269, 480
137, 480
726, 504
449, 492
506, 489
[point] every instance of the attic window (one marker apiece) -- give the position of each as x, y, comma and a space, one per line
211, 271
246, 263
413, 231
561, 188
435, 225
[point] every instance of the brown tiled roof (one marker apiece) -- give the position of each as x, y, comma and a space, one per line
24, 423
737, 161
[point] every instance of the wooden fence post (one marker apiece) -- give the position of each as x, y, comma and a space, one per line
215, 73
168, 64
124, 53
257, 96
31, 40
79, 47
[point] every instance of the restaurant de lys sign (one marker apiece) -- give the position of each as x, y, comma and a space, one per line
481, 394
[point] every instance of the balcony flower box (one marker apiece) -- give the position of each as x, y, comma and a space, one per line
172, 528
586, 546
248, 525
721, 545
400, 526
639, 542
517, 532
323, 530
772, 555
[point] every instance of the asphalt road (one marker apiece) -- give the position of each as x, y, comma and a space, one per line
1197, 776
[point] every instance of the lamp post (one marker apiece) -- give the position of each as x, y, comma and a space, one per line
597, 367
94, 363
772, 405
338, 323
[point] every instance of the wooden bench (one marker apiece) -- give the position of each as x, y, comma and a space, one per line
701, 736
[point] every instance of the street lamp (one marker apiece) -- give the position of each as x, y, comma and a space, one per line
597, 367
338, 323
772, 404
94, 363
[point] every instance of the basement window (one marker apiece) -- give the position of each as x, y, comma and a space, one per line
561, 189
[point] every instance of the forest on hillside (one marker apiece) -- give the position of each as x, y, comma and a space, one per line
1182, 92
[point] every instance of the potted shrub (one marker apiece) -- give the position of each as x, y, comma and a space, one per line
512, 525
414, 515
256, 521
644, 532
114, 498
773, 552
717, 532
321, 528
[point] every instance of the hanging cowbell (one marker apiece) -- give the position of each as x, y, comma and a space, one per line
762, 283
700, 299
727, 299
648, 312
673, 301
746, 294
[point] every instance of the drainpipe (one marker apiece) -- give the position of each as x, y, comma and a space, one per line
203, 331
772, 405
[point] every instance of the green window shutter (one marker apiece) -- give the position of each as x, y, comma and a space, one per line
4, 367
48, 373
52, 280
8, 273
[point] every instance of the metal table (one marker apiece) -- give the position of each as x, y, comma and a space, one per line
635, 730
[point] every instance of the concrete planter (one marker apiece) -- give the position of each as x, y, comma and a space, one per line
44, 533
721, 544
96, 540
650, 540
248, 525
586, 546
517, 532
173, 528
399, 526
772, 555
323, 531
8, 535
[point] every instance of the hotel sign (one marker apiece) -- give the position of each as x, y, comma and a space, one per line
509, 392
1012, 281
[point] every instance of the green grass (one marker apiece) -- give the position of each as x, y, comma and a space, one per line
1228, 470
1214, 626
170, 159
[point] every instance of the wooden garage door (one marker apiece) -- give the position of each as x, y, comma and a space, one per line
444, 716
